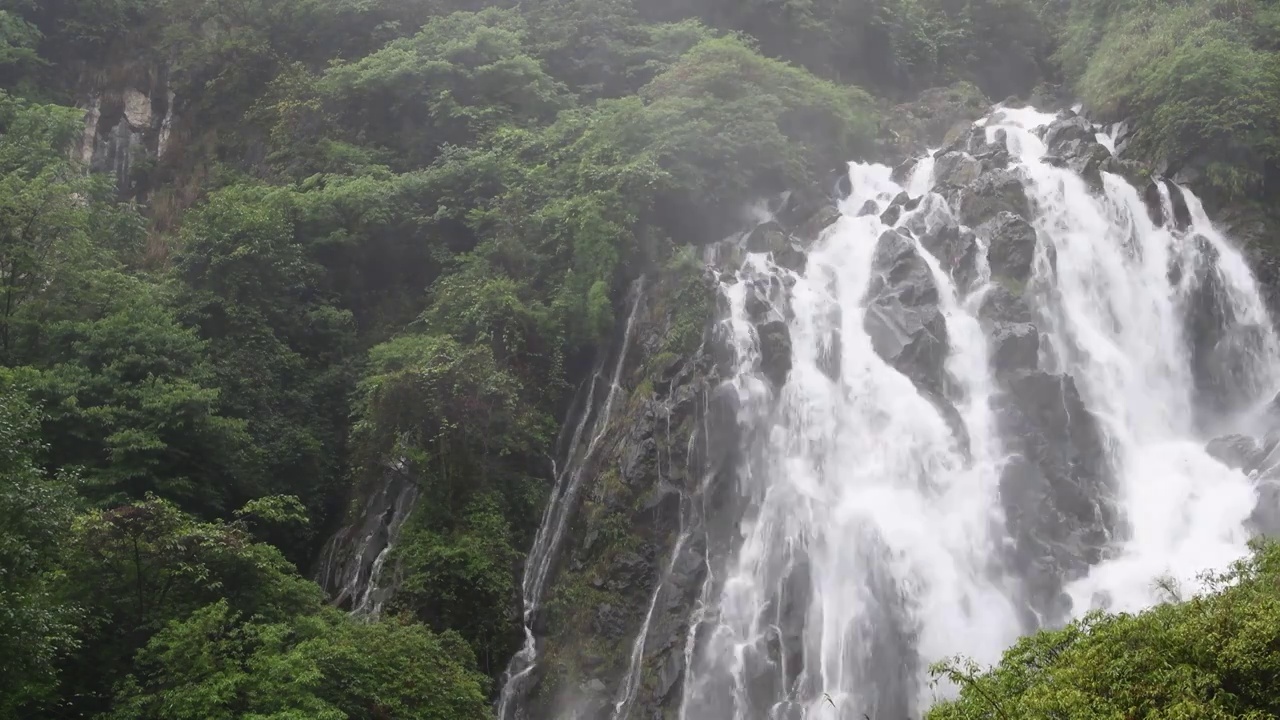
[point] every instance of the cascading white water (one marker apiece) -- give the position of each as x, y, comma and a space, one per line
1115, 323
872, 541
555, 520
863, 494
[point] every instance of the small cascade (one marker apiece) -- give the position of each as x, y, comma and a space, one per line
353, 562
556, 518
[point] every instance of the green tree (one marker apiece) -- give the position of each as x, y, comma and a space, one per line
1212, 656
136, 568
217, 664
36, 623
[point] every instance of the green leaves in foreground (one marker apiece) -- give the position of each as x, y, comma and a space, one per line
1215, 656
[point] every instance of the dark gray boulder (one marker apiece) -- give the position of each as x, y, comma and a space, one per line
810, 230
1066, 129
956, 250
957, 169
1011, 246
791, 256
1002, 305
1056, 488
1238, 452
902, 318
1015, 347
766, 237
994, 192
775, 351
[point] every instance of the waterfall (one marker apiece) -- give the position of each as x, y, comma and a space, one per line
353, 563
984, 430
557, 516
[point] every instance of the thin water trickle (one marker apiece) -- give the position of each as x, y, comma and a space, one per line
543, 555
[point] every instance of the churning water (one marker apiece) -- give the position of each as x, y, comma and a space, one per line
877, 537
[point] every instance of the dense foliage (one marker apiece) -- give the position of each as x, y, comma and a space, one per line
401, 230
1213, 656
1199, 80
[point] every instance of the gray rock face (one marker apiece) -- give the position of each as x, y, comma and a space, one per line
904, 322
775, 351
994, 192
1065, 129
1238, 452
957, 168
127, 125
791, 256
956, 250
1015, 348
810, 230
672, 430
767, 237
1011, 249
1056, 488
1001, 305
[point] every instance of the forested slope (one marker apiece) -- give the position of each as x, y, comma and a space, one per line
252, 251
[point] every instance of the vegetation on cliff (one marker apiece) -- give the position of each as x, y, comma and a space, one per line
403, 229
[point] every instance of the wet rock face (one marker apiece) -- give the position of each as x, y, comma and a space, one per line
902, 317
994, 192
1238, 452
1055, 488
1068, 128
673, 438
956, 250
1011, 249
775, 351
957, 169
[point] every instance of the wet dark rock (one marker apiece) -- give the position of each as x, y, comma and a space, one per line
767, 237
966, 139
1011, 246
957, 169
1134, 172
1002, 305
1181, 213
1085, 158
675, 426
1221, 345
956, 250
791, 256
640, 456
757, 302
1265, 517
903, 170
868, 208
608, 622
1238, 452
991, 194
1066, 129
844, 185
1056, 488
1155, 206
902, 317
799, 206
1016, 347
775, 351
813, 228
891, 215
